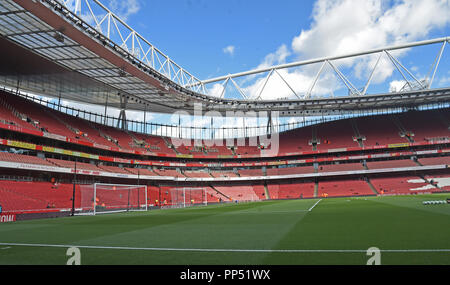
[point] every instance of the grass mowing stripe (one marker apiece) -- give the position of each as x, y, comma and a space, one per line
223, 249
339, 231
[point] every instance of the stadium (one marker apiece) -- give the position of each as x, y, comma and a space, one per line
308, 178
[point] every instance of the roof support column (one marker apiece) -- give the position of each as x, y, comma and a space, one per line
106, 108
144, 126
269, 124
59, 100
122, 120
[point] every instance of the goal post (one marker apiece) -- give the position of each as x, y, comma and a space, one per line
99, 198
187, 197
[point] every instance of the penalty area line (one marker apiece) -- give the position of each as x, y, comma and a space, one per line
310, 209
226, 250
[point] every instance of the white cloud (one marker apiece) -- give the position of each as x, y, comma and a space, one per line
278, 57
124, 8
396, 85
444, 81
346, 26
216, 90
229, 50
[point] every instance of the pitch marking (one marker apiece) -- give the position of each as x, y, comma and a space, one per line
310, 209
224, 250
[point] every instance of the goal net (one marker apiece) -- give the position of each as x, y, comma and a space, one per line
187, 197
101, 198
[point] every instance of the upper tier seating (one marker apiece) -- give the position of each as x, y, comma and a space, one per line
391, 164
88, 130
71, 164
209, 147
113, 169
419, 123
20, 158
250, 172
41, 117
141, 171
246, 146
119, 137
197, 174
440, 160
295, 141
168, 172
218, 147
154, 143
340, 167
290, 170
223, 174
191, 147
334, 135
377, 130
7, 116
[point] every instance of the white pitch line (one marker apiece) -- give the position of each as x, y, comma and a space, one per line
263, 212
310, 209
225, 250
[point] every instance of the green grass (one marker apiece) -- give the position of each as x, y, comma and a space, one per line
389, 223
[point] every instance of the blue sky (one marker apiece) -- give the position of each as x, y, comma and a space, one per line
195, 32
211, 38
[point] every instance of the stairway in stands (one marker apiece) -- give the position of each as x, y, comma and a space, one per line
316, 189
371, 186
358, 137
220, 193
314, 141
409, 135
18, 118
266, 191
170, 145
105, 136
78, 133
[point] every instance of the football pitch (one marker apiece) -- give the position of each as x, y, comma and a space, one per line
291, 232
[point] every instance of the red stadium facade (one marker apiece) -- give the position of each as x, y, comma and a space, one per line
42, 147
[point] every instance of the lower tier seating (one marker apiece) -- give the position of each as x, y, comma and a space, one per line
239, 193
442, 181
344, 188
291, 191
27, 196
402, 185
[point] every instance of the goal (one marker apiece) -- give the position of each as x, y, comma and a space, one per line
187, 197
99, 198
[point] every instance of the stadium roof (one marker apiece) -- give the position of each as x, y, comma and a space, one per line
47, 48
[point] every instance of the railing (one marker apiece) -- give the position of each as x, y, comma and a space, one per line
207, 133
114, 29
